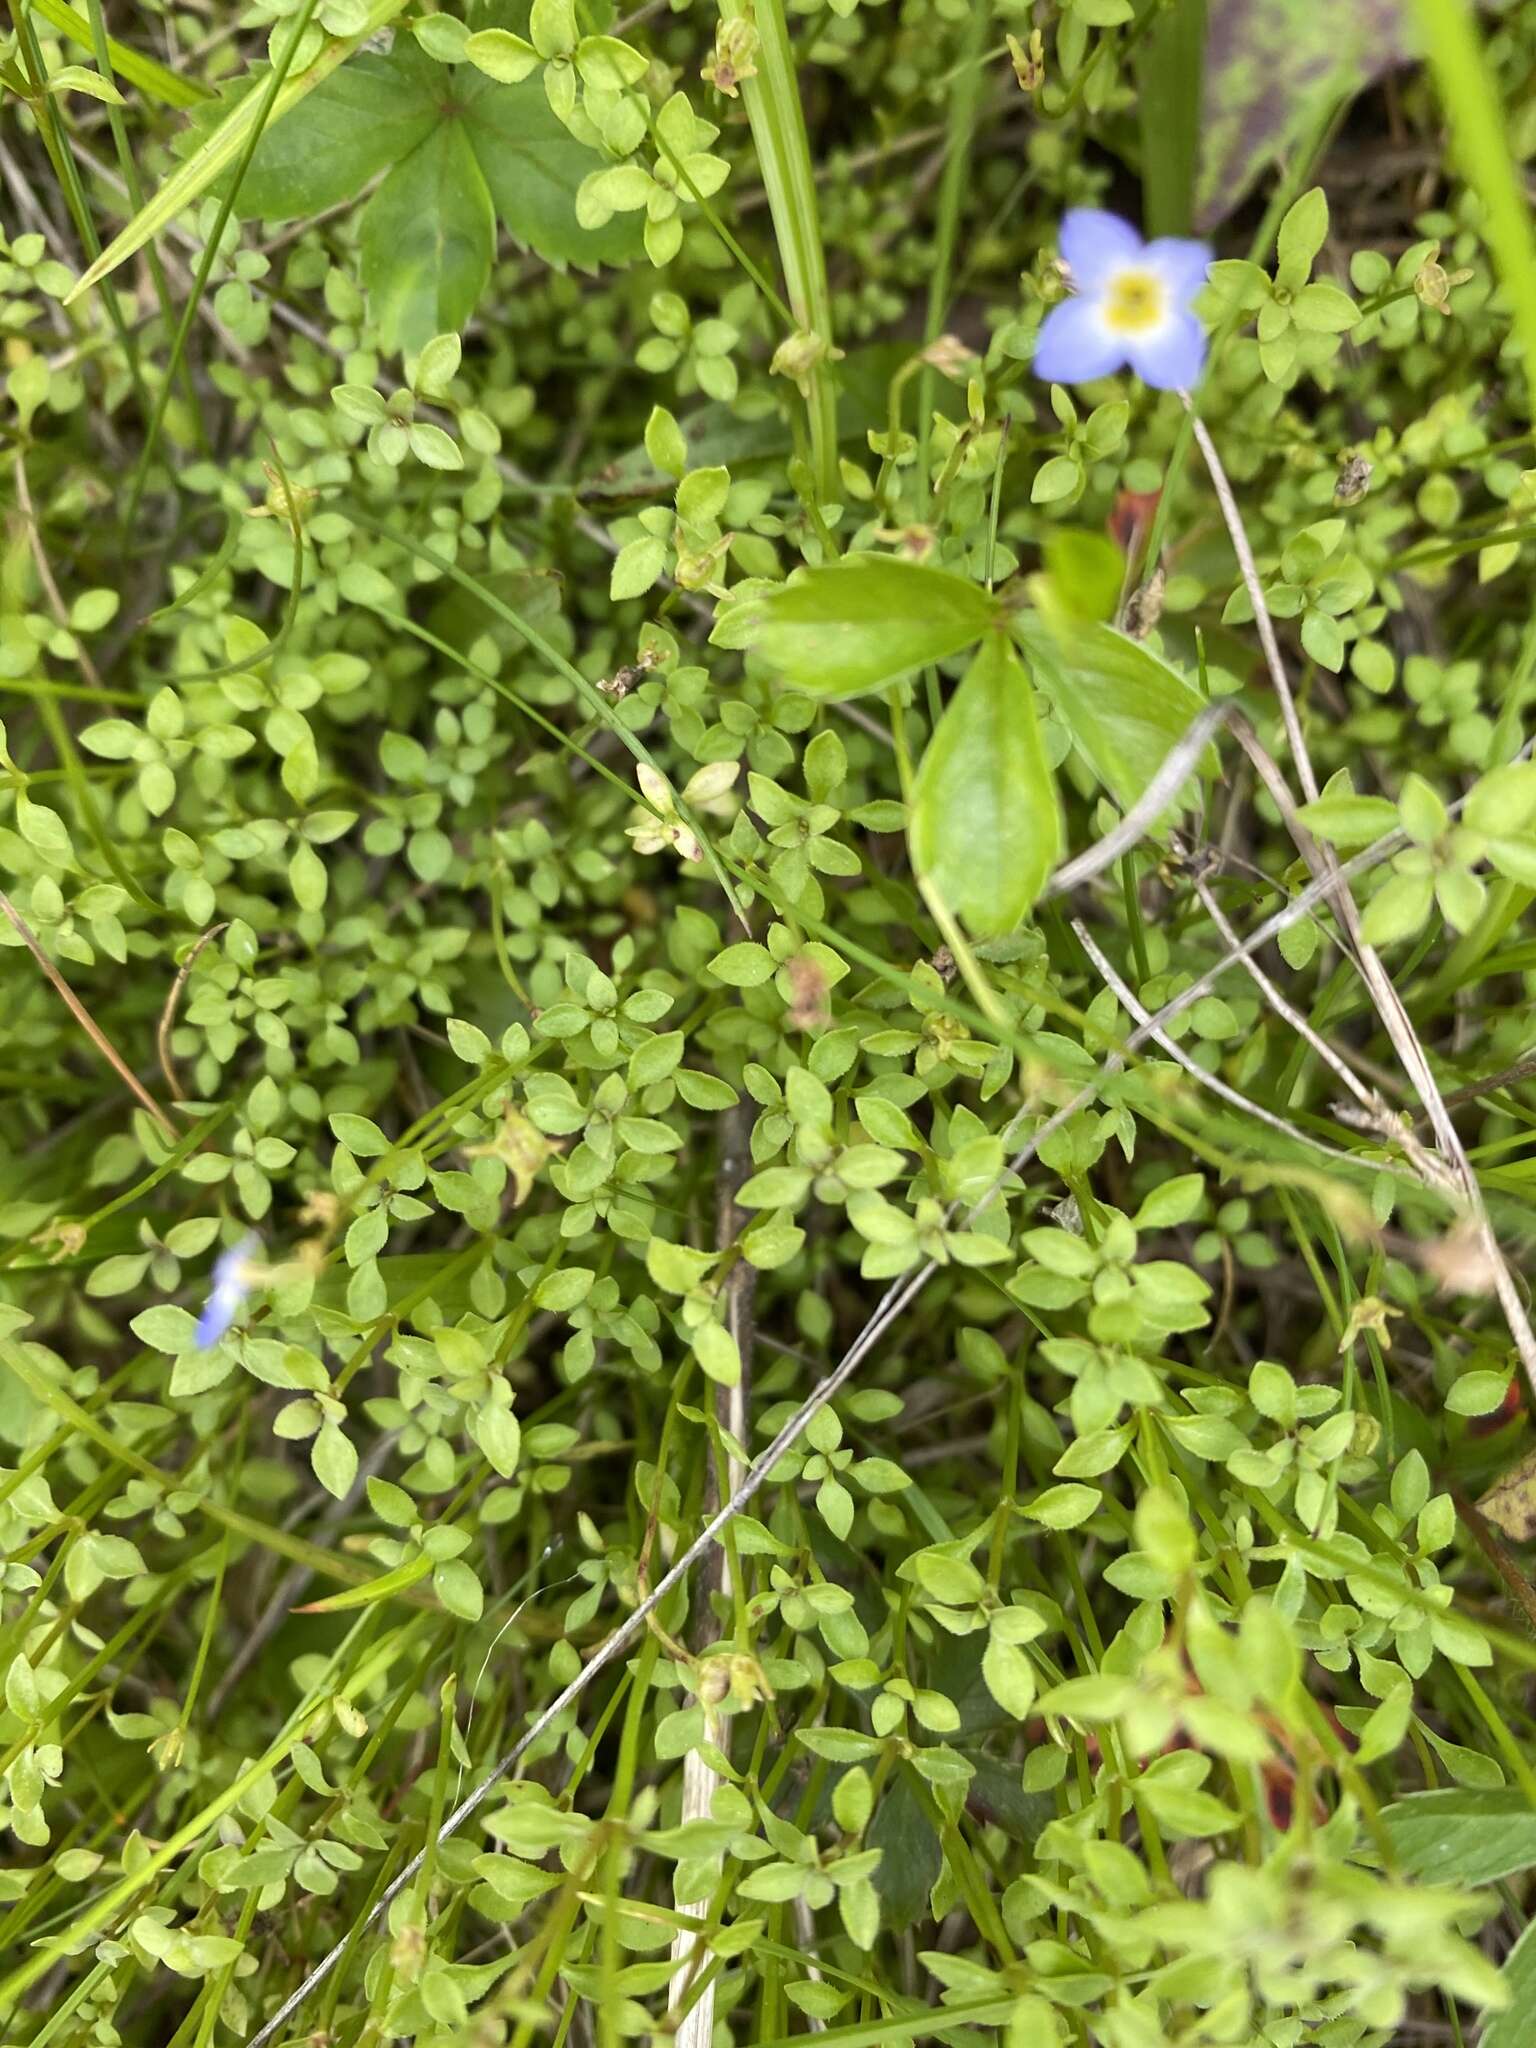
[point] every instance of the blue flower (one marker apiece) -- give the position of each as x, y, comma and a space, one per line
1131, 304
233, 1278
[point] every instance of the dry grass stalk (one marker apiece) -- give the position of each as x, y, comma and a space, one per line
1394, 1018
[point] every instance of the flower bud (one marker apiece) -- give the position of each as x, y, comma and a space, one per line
735, 48
1028, 64
949, 355
798, 354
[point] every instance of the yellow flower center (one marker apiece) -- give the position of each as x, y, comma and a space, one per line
1134, 302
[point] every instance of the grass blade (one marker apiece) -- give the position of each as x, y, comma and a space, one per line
155, 80
1169, 79
223, 147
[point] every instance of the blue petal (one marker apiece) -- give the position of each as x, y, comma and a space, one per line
1094, 245
227, 1267
231, 1284
1172, 357
1074, 345
1181, 265
217, 1316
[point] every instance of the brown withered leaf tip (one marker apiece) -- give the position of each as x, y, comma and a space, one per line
1510, 1503
1144, 607
808, 1010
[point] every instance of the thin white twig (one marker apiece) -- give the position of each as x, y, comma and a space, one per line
1134, 1007
1395, 1020
695, 2022
1283, 1008
1250, 575
1165, 785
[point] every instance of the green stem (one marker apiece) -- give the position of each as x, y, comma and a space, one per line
1507, 903
1498, 1728
985, 996
50, 126
428, 1876
772, 99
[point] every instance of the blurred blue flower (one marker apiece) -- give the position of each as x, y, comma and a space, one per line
1131, 304
233, 1278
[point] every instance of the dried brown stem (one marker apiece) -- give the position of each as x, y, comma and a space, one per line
1522, 1070
1281, 1007
45, 575
701, 1781
84, 1019
1519, 1585
1389, 1005
168, 1014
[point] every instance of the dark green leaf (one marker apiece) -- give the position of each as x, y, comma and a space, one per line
1124, 707
428, 235
986, 828
372, 112
394, 113
532, 166
861, 623
1511, 2028
997, 1796
954, 1669
911, 1857
1461, 1837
